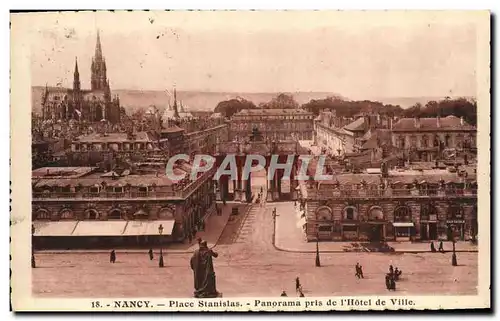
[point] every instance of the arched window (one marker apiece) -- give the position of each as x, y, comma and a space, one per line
91, 214
115, 214
42, 214
402, 214
324, 213
376, 214
66, 214
350, 213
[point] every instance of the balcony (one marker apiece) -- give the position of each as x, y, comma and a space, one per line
392, 193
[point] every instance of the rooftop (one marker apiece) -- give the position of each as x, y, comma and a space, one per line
279, 112
61, 172
116, 137
432, 124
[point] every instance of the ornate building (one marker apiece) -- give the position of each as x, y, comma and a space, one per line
274, 124
91, 105
428, 204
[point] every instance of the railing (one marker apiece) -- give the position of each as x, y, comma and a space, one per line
164, 194
391, 193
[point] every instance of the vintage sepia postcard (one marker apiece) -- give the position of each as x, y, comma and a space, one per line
250, 160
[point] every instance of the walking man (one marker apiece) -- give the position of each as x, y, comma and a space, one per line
112, 257
441, 249
297, 284
151, 256
359, 271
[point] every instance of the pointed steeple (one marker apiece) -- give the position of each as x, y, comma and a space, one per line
98, 49
176, 112
76, 77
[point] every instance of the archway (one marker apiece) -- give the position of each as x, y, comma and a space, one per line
376, 213
350, 213
66, 214
428, 222
91, 214
42, 214
166, 213
115, 214
402, 214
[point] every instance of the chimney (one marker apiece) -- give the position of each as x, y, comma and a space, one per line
462, 121
438, 121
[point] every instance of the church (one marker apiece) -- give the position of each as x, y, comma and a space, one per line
96, 104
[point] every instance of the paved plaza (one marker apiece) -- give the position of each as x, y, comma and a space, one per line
249, 264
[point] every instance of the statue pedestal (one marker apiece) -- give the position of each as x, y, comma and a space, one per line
208, 296
218, 195
269, 197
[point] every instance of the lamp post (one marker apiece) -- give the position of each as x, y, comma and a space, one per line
454, 255
160, 231
33, 262
318, 263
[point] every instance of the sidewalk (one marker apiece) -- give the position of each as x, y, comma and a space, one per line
214, 226
289, 237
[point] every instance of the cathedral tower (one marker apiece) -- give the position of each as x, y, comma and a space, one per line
98, 69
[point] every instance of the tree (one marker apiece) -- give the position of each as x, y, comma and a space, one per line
282, 101
229, 107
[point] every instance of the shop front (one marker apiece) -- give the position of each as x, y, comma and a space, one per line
403, 231
428, 222
350, 231
403, 225
455, 223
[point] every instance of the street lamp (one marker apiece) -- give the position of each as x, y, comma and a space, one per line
160, 231
454, 255
33, 262
318, 263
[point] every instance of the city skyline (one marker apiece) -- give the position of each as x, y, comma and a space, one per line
416, 58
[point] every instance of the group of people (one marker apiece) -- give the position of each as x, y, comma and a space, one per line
392, 277
440, 249
359, 271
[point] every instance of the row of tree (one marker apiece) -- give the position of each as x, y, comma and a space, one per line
460, 107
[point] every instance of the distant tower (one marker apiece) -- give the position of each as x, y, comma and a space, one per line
176, 111
98, 78
76, 77
77, 94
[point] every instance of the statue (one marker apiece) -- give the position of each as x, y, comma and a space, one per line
204, 274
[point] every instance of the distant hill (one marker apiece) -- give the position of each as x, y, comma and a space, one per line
192, 100
207, 101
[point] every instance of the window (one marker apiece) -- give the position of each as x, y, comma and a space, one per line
428, 212
92, 214
425, 141
455, 212
402, 214
413, 141
66, 214
350, 213
115, 214
42, 214
325, 228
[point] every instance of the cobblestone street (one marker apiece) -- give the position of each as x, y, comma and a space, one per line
250, 265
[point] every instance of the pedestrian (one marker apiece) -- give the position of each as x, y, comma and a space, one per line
261, 190
393, 284
391, 270
112, 257
359, 271
397, 274
433, 249
283, 293
301, 294
388, 281
151, 256
297, 284
441, 249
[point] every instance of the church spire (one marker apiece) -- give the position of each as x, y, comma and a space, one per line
98, 49
176, 112
76, 77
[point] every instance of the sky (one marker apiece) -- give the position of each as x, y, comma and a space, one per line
355, 55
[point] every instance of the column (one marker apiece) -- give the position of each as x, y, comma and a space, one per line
270, 182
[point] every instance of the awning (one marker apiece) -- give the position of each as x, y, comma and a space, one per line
402, 224
60, 228
149, 228
100, 228
301, 222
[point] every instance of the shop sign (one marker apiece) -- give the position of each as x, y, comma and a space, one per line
455, 222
